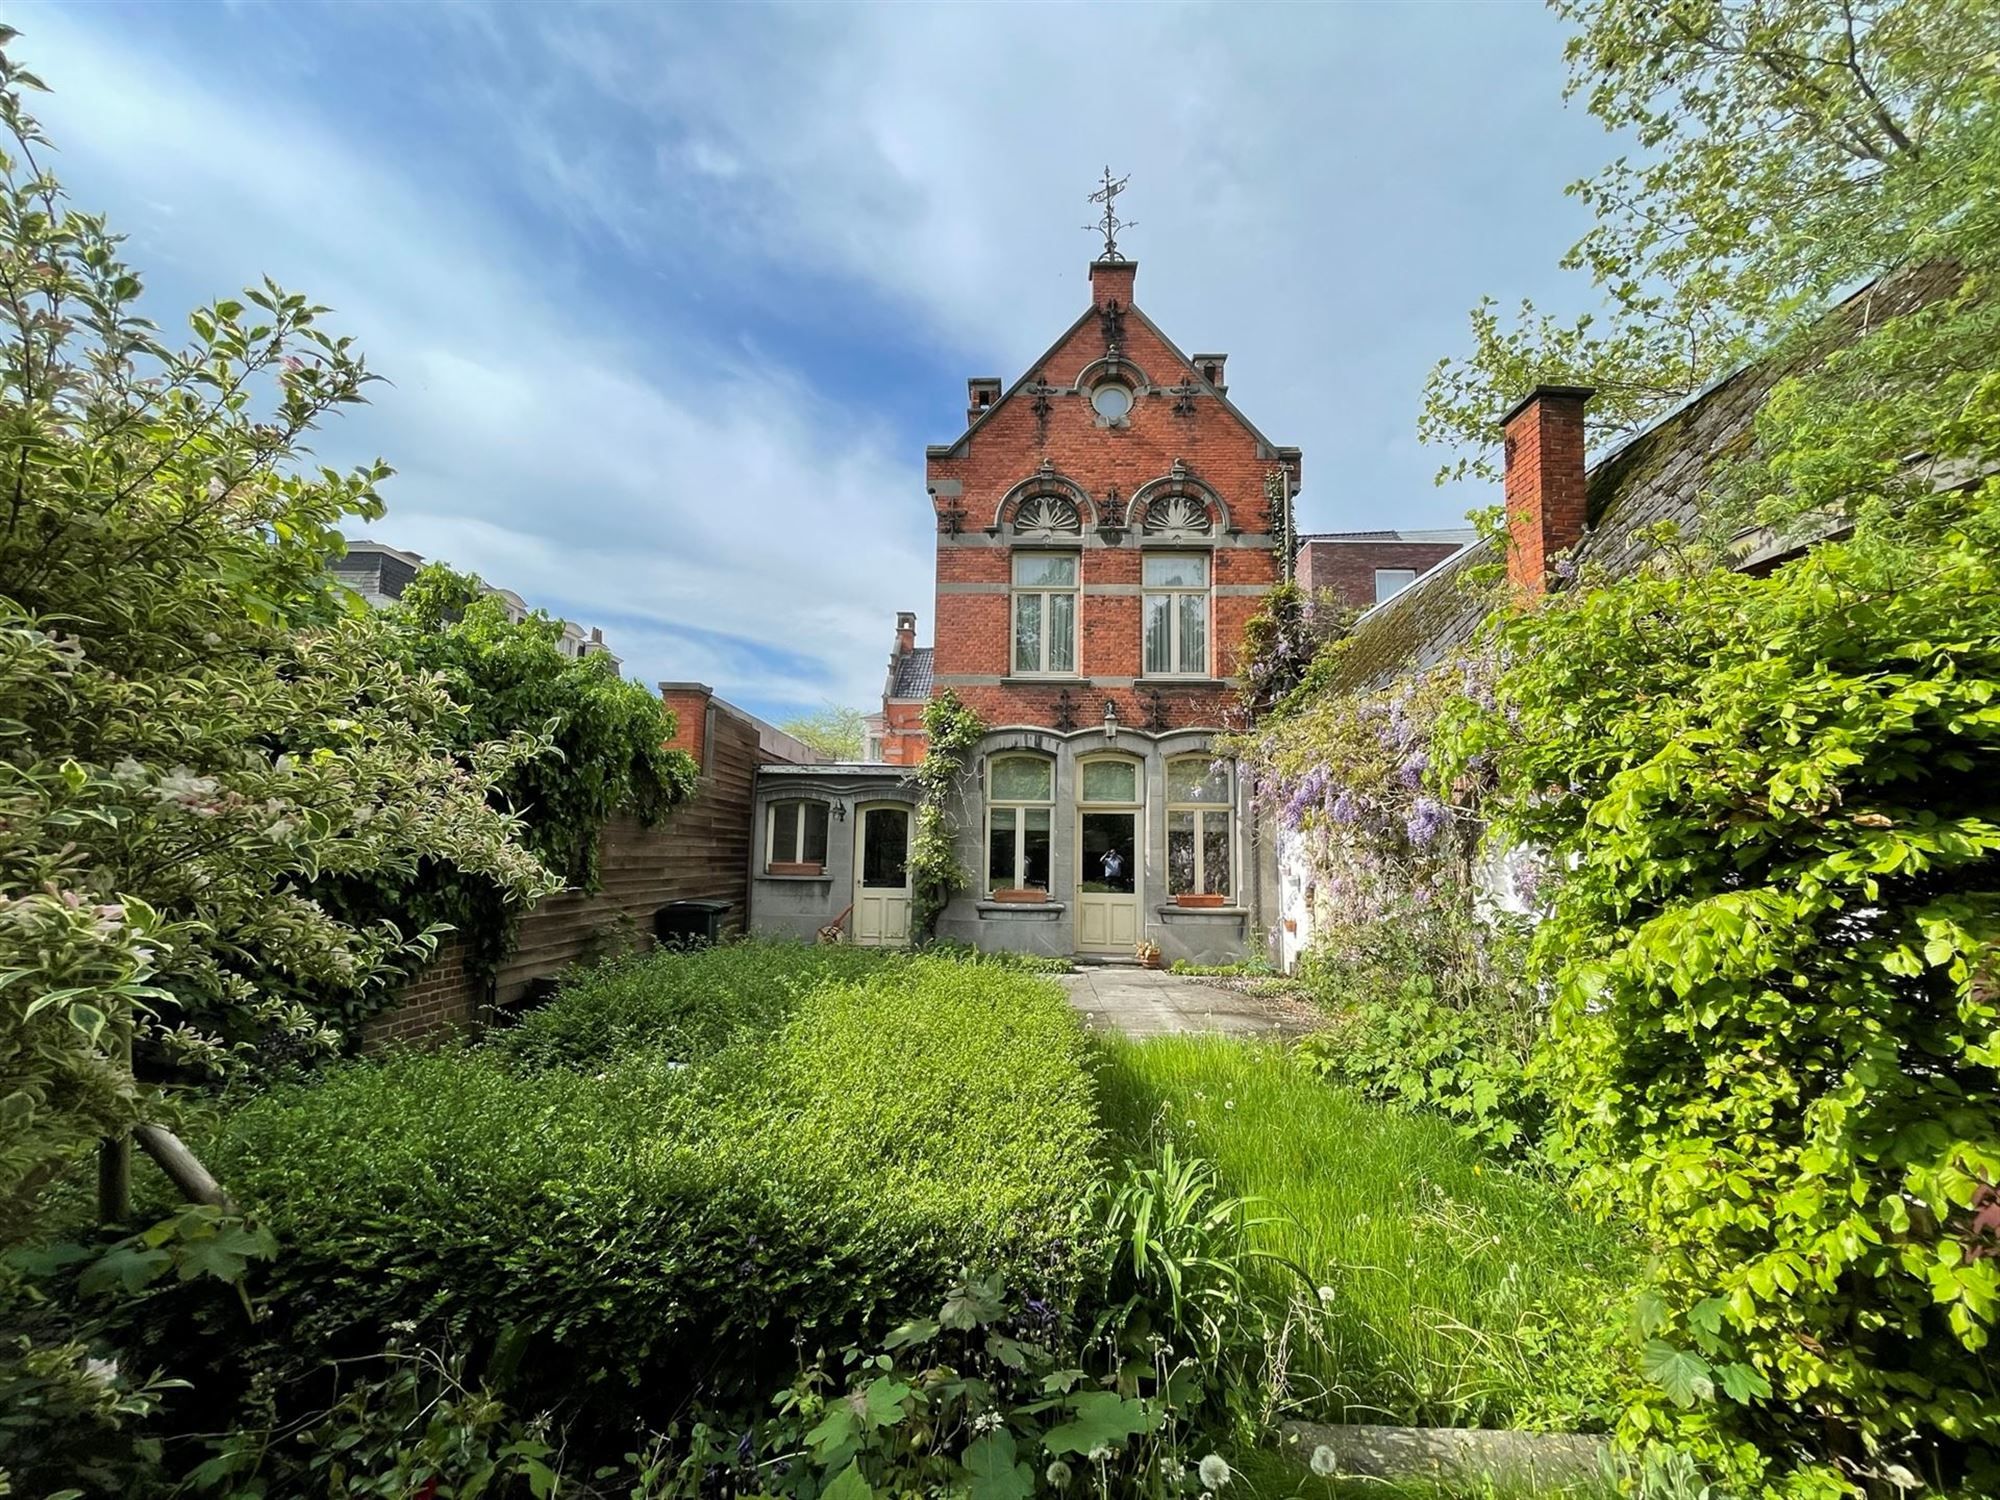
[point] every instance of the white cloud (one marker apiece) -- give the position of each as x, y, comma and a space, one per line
688, 496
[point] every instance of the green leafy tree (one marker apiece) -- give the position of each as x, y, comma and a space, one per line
836, 732
194, 732
1782, 149
607, 754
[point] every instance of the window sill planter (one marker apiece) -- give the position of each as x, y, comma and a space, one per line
1023, 898
786, 867
1203, 899
1019, 911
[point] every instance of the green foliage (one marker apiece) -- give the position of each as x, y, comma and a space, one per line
405, 1424
1415, 1280
195, 735
995, 1396
1290, 631
836, 732
683, 1006
1774, 973
1787, 148
803, 1179
935, 873
606, 738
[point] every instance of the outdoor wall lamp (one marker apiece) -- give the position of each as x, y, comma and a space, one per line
1110, 720
840, 812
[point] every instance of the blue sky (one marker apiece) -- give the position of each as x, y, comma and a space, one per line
671, 298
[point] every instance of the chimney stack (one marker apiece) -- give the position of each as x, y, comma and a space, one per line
1111, 281
690, 703
981, 391
906, 632
1547, 507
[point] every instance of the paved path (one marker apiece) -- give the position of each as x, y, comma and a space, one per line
1149, 1002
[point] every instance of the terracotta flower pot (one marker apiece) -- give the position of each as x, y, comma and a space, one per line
1201, 898
786, 867
1024, 897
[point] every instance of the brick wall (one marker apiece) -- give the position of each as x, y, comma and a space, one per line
1176, 418
1346, 570
903, 738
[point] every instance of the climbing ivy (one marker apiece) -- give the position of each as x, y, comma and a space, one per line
608, 738
935, 873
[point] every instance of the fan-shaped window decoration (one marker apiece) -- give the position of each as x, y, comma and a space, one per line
1047, 516
1176, 516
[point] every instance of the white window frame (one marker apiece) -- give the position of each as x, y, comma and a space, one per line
1173, 594
1043, 595
1408, 575
796, 855
1203, 812
1020, 808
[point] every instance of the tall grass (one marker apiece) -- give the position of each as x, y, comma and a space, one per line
1430, 1285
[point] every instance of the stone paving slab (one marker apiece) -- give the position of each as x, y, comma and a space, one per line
1150, 1002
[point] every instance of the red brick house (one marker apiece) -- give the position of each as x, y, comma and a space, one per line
1105, 527
1362, 569
895, 736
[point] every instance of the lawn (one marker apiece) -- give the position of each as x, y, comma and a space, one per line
1432, 1285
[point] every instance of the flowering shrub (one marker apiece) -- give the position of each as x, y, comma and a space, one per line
1282, 640
1427, 1004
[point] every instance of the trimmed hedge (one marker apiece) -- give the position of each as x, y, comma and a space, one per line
682, 1006
635, 1221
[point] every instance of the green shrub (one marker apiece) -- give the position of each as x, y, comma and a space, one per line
682, 1006
1776, 804
652, 1218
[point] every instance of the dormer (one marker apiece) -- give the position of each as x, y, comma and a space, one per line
1210, 368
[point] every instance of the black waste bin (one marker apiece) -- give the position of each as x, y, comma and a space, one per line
689, 924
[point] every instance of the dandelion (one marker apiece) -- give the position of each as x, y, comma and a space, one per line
1326, 1296
1324, 1462
1058, 1475
1214, 1473
1100, 1454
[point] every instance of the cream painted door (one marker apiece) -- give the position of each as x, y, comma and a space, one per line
1107, 895
882, 876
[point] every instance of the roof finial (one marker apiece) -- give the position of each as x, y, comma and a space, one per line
1110, 224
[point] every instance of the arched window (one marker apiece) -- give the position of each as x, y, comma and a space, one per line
1020, 797
1201, 834
795, 838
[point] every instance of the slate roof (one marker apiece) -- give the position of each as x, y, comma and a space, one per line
1458, 535
913, 674
1660, 474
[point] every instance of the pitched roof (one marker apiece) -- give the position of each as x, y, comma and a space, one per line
913, 674
1659, 474
1458, 536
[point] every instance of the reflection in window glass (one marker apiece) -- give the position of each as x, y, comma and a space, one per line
1045, 612
1017, 828
798, 833
1200, 827
1110, 781
1175, 640
885, 849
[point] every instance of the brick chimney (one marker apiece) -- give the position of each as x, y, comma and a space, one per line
1111, 281
981, 391
906, 633
1547, 509
688, 701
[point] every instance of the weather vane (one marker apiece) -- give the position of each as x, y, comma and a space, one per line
1110, 224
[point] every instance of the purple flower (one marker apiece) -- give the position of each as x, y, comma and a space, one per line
1426, 821
1346, 808
1411, 771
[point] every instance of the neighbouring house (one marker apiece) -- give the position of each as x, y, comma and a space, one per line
1362, 569
379, 573
895, 736
1106, 526
1562, 510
